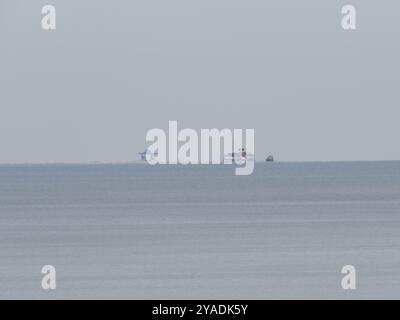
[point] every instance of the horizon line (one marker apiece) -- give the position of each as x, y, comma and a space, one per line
142, 162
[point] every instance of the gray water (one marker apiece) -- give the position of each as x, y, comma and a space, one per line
200, 232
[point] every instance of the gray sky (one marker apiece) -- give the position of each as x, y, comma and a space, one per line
112, 70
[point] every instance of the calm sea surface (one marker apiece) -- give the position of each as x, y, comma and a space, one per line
137, 231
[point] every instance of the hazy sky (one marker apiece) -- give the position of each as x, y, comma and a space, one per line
112, 70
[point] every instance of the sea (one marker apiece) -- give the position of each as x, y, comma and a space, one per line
135, 231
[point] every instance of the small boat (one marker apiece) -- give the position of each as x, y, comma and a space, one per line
270, 158
239, 158
147, 155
